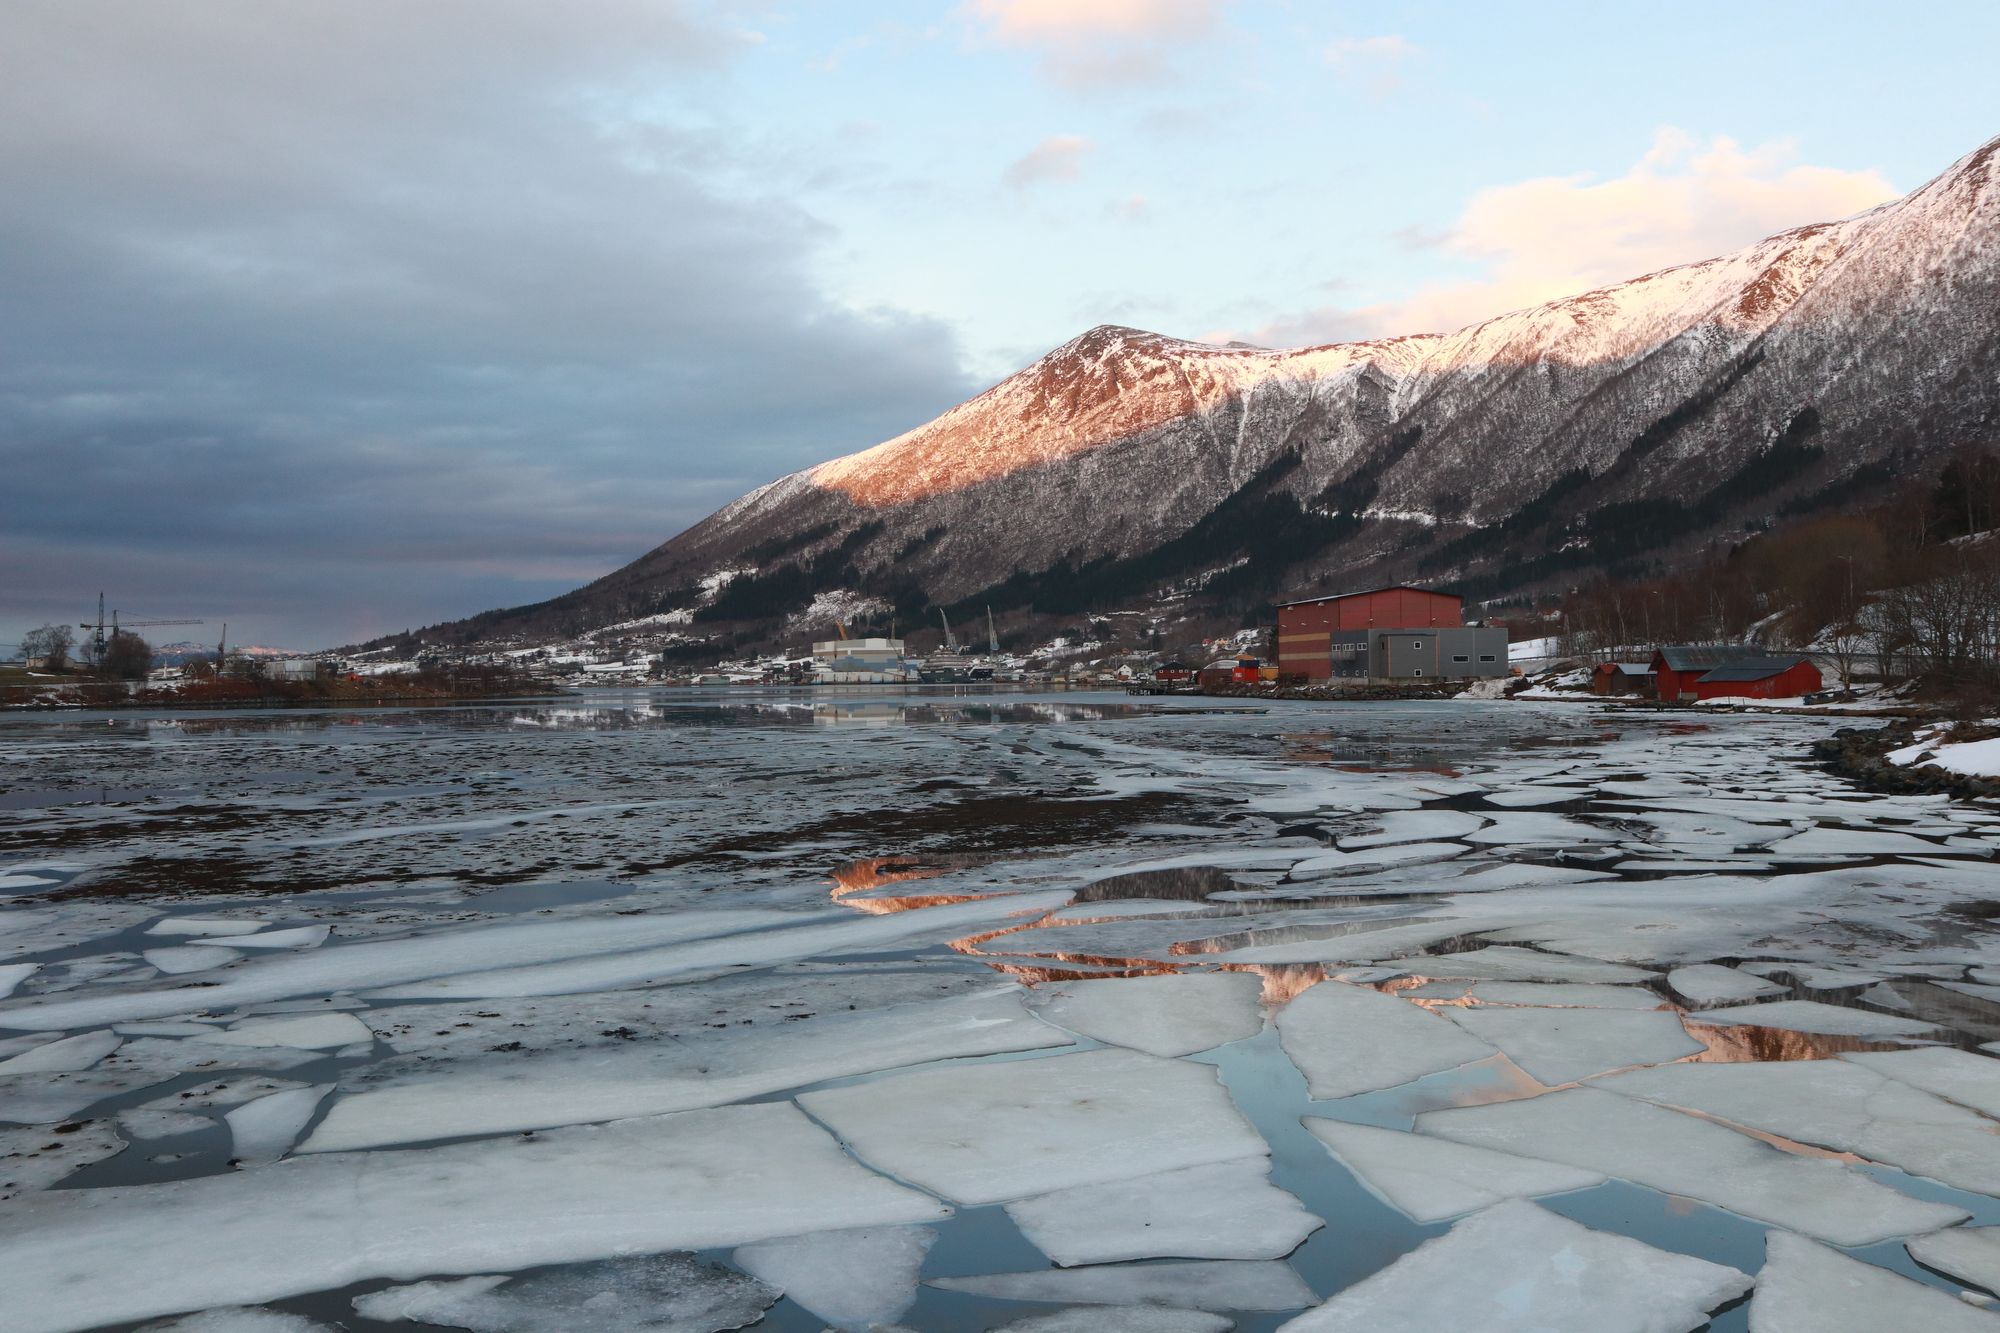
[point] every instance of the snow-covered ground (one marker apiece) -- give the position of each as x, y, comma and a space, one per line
1046, 1012
1975, 758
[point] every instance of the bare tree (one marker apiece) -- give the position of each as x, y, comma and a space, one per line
126, 657
50, 643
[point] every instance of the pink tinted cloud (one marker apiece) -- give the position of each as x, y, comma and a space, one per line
1086, 44
1056, 158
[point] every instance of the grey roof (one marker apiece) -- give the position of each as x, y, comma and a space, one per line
1363, 592
1687, 657
1631, 668
1759, 670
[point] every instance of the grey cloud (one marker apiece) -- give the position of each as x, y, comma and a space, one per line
346, 310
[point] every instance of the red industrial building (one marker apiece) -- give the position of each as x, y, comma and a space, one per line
1732, 671
1306, 627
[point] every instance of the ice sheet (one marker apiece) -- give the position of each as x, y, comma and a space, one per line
851, 1279
141, 1123
298, 937
1837, 1105
1121, 1319
1430, 1179
993, 1132
66, 1056
1970, 1254
205, 925
35, 1157
178, 959
1959, 1076
422, 1100
1564, 1045
265, 1129
657, 1293
1519, 1268
313, 1032
1415, 826
1680, 1154
1164, 1015
1501, 962
638, 1186
1812, 1016
1349, 1039
1564, 995
239, 1319
1227, 1210
1219, 1285
1367, 860
1707, 983
13, 974
1808, 1288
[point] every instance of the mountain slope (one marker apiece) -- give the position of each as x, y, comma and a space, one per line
1614, 426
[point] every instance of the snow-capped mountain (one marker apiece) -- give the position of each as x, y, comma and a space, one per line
1612, 426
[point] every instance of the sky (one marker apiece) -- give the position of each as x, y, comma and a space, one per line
330, 318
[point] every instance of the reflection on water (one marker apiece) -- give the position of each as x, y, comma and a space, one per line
878, 872
1733, 1044
1182, 884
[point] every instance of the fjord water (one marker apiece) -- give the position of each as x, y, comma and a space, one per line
700, 876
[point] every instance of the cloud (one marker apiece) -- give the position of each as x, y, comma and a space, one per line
1088, 44
346, 314
1376, 63
1056, 158
1537, 240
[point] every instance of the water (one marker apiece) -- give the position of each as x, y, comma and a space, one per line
1178, 830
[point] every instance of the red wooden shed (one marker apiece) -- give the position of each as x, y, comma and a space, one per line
1723, 671
1305, 627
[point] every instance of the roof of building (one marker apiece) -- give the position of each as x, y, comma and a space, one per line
1689, 656
1364, 592
1627, 668
1761, 670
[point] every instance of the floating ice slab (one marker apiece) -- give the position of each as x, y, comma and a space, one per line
239, 1319
1430, 1179
1564, 1045
1564, 995
1221, 1285
265, 1129
1812, 1016
51, 1098
1518, 1267
1680, 1154
1370, 859
846, 933
379, 963
1853, 842
851, 1279
141, 1123
1837, 1105
1959, 1076
204, 925
13, 974
1122, 1319
656, 1293
1707, 983
1540, 830
425, 1101
35, 1158
1415, 826
66, 1056
313, 1032
299, 937
1349, 1039
1970, 1254
1164, 1015
993, 1132
178, 959
1228, 1210
1528, 797
1501, 962
565, 1196
1807, 1288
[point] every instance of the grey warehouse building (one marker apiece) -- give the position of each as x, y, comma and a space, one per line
1445, 652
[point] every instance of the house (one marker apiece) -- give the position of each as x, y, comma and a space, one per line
1622, 678
1449, 652
1732, 670
1230, 671
1173, 673
1306, 627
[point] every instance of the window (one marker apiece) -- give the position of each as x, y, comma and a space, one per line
1416, 643
1460, 657
1418, 672
1487, 657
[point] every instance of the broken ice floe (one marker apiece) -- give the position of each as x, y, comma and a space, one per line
1808, 1288
852, 1279
179, 959
564, 1196
1681, 1154
313, 1032
1216, 1285
1563, 1045
34, 1158
1163, 1015
265, 1129
239, 1319
1959, 1076
1519, 1268
1970, 1254
992, 1132
66, 1056
1121, 1319
657, 1293
1708, 983
1236, 1213
1349, 1039
1812, 1016
1431, 1179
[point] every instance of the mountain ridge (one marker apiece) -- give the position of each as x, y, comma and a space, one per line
1793, 364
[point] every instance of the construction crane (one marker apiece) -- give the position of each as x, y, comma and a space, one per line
98, 637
